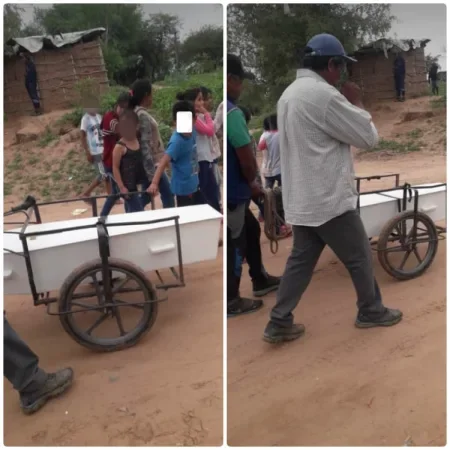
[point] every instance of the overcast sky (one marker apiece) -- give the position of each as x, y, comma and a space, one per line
193, 16
424, 21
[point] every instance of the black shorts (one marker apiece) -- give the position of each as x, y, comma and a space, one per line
196, 198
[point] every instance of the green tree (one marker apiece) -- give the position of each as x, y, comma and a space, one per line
12, 24
204, 44
270, 37
430, 60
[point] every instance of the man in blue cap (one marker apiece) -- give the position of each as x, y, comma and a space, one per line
320, 116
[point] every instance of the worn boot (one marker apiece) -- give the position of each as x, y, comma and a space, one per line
387, 318
274, 334
262, 286
56, 384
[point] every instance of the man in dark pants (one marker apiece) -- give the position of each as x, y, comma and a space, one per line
399, 77
433, 78
31, 82
243, 230
317, 126
21, 368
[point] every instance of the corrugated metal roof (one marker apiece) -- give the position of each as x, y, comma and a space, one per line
385, 45
34, 44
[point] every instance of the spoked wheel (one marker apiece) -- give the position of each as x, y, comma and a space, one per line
107, 324
406, 251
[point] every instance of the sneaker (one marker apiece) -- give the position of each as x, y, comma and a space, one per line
386, 319
56, 384
274, 334
265, 285
244, 306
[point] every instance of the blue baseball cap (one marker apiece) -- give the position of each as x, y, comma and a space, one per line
327, 45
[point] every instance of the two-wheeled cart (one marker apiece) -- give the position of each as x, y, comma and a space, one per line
106, 301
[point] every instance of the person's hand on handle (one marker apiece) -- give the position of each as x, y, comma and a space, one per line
153, 189
124, 191
257, 190
352, 92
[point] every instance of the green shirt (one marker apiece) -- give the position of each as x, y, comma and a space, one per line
237, 130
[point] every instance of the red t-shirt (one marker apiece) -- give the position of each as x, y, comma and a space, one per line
110, 137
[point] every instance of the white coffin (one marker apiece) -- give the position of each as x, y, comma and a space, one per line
151, 246
376, 210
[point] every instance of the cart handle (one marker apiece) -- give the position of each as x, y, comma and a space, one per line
27, 203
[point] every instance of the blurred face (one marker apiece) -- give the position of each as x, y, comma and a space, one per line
337, 73
147, 101
128, 127
234, 86
199, 103
208, 102
119, 109
91, 111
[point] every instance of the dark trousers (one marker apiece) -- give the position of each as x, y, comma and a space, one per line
400, 86
247, 246
20, 364
197, 198
346, 236
31, 87
434, 87
270, 181
208, 184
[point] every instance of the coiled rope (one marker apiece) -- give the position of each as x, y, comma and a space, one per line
272, 219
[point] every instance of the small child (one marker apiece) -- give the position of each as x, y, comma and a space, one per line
269, 144
181, 153
128, 165
92, 143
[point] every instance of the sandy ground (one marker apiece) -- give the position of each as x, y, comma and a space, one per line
167, 390
338, 385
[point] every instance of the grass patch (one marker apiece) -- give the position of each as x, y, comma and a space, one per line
396, 146
440, 101
7, 189
46, 138
72, 118
415, 134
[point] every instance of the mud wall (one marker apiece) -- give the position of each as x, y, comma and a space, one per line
58, 72
374, 74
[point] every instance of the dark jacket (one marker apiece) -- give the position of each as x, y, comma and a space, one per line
433, 73
399, 67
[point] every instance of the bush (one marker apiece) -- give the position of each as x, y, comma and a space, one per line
73, 118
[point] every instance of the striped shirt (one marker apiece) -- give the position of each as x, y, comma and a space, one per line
317, 125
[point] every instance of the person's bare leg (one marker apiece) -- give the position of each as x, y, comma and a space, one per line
92, 186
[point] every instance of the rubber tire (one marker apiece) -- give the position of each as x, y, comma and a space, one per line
150, 309
383, 242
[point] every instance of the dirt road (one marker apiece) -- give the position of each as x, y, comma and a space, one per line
165, 391
339, 385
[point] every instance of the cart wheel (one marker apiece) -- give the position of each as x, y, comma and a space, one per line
414, 248
91, 319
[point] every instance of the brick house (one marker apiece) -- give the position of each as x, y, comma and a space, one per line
61, 62
374, 70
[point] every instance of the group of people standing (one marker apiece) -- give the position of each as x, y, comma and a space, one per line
127, 151
319, 118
